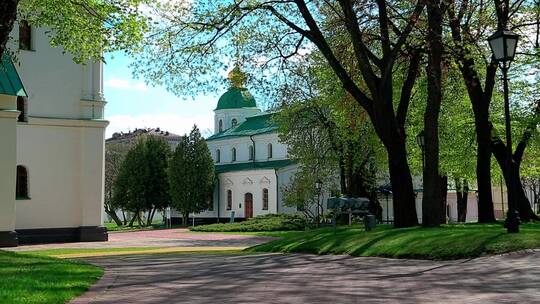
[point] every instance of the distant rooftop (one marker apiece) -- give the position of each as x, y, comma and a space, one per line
132, 135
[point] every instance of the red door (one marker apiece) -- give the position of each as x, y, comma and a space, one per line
248, 205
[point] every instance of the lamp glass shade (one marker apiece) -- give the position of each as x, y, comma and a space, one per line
503, 45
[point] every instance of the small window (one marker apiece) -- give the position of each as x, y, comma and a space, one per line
234, 122
265, 199
229, 199
22, 106
251, 153
25, 35
270, 152
220, 126
233, 157
218, 156
22, 183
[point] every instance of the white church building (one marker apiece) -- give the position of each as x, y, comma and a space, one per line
52, 144
251, 164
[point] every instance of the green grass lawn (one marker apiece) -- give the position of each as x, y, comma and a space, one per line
38, 279
447, 242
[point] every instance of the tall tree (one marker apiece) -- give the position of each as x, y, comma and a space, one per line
114, 155
432, 200
86, 29
191, 175
142, 185
193, 41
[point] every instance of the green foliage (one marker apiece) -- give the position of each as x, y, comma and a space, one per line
191, 174
142, 183
268, 222
88, 28
37, 279
446, 242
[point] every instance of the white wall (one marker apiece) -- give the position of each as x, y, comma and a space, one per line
65, 172
227, 115
242, 145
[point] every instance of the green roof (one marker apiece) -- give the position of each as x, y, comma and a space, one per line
236, 98
253, 125
10, 82
272, 164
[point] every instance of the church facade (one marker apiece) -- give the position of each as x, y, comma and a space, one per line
251, 164
52, 144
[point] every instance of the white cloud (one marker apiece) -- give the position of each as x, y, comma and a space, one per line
125, 84
174, 123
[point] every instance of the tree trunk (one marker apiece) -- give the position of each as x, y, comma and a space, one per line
486, 213
404, 205
8, 15
135, 216
150, 216
432, 196
462, 193
512, 181
185, 219
444, 195
114, 216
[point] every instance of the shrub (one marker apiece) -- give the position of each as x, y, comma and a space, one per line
269, 222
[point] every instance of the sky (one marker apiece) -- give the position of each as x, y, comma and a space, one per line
133, 104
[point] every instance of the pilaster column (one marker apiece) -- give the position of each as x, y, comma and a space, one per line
8, 175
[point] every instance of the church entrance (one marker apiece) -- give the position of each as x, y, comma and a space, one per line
248, 205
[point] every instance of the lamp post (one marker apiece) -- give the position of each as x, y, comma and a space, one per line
503, 47
318, 186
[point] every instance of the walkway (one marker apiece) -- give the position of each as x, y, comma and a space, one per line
274, 278
158, 238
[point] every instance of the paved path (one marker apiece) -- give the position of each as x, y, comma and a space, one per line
159, 238
273, 278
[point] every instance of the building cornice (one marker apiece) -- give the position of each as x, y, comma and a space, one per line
67, 122
9, 114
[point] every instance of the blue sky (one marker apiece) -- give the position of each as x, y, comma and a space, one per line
133, 104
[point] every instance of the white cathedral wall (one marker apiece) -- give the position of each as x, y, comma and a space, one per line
227, 115
65, 174
225, 145
8, 155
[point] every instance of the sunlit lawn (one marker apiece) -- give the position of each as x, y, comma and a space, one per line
447, 242
37, 279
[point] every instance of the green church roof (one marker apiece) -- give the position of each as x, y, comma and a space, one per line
236, 98
10, 82
253, 125
272, 164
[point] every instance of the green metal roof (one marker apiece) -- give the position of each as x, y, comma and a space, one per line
236, 98
253, 125
272, 164
10, 82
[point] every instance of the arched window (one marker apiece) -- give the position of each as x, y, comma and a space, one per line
233, 156
234, 122
218, 156
22, 106
251, 153
21, 191
270, 152
25, 35
220, 126
265, 199
229, 199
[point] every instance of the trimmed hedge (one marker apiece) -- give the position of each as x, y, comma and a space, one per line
269, 222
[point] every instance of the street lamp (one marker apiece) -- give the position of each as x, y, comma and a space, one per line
503, 45
421, 141
318, 186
